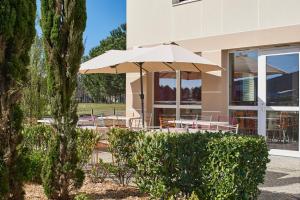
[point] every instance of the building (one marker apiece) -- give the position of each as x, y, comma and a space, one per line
256, 41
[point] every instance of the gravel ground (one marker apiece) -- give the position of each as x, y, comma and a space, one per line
95, 191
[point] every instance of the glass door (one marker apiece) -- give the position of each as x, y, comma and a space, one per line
278, 100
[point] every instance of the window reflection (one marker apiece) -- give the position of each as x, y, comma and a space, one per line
282, 130
247, 120
190, 87
163, 115
192, 114
243, 80
165, 88
283, 80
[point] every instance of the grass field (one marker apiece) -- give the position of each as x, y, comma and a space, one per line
98, 108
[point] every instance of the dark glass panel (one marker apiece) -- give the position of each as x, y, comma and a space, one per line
283, 80
190, 88
243, 78
165, 88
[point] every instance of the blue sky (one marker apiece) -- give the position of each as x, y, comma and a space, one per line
102, 17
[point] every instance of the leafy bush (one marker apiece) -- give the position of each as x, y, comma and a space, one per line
122, 148
35, 147
236, 166
99, 172
81, 197
86, 142
214, 165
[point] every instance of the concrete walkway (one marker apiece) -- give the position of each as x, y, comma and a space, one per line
282, 181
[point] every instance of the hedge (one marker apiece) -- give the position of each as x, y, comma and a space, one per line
213, 165
35, 144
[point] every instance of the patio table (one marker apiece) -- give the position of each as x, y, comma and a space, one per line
198, 122
118, 118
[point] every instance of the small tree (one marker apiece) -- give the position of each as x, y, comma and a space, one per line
63, 23
35, 99
17, 30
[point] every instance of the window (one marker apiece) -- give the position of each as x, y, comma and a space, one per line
243, 78
190, 83
283, 80
177, 95
165, 88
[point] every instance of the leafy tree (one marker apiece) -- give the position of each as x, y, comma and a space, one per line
17, 30
63, 23
104, 86
35, 99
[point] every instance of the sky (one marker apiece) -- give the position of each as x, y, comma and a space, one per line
102, 17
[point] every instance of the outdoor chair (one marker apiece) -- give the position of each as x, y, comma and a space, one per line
164, 122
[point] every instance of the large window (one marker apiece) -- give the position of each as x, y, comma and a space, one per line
190, 83
177, 94
243, 78
165, 88
283, 80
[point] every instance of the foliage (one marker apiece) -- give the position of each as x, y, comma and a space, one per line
35, 98
35, 144
214, 166
32, 163
237, 165
101, 86
63, 24
194, 196
34, 148
99, 172
86, 142
81, 197
122, 148
17, 30
36, 137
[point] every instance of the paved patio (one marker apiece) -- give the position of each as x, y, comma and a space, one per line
282, 180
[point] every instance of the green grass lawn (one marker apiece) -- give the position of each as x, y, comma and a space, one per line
99, 108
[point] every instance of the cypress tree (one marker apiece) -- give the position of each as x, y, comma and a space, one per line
63, 23
17, 30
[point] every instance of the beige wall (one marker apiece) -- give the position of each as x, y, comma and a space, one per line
156, 21
212, 27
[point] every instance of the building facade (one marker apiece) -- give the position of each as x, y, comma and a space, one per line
256, 41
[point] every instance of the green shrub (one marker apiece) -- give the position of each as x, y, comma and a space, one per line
35, 146
236, 166
82, 197
178, 164
36, 137
86, 142
99, 172
122, 147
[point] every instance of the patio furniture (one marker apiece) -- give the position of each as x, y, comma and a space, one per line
166, 57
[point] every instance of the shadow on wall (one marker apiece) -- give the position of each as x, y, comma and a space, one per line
136, 91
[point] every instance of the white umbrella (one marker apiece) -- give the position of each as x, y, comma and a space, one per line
166, 57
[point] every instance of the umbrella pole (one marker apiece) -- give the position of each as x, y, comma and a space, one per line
142, 95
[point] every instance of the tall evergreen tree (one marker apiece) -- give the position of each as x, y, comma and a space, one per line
63, 23
17, 30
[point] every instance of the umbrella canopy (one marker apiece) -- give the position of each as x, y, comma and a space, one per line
166, 57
